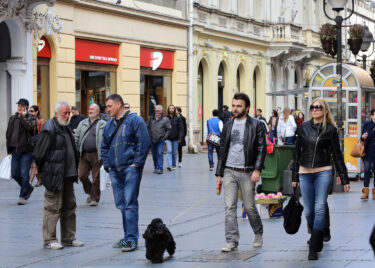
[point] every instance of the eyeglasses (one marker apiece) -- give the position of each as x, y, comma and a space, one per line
31, 111
316, 107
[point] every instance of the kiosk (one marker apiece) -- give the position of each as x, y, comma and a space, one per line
358, 98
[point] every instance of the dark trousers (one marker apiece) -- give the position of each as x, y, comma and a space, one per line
180, 152
90, 162
60, 205
20, 168
369, 166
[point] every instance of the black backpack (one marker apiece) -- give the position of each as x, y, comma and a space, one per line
292, 213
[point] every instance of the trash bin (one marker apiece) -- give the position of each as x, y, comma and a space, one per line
275, 164
287, 182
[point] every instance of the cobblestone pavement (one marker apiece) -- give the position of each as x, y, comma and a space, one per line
199, 233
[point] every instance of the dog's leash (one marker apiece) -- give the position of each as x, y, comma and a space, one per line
204, 198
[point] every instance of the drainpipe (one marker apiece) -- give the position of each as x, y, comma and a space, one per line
192, 147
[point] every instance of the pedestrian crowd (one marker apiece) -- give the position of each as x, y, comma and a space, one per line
114, 140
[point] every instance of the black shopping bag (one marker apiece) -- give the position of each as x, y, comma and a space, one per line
293, 213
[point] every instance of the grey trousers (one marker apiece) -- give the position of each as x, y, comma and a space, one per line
232, 181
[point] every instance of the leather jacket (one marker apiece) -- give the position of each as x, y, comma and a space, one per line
316, 147
254, 145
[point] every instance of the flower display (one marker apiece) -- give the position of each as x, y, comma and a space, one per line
268, 196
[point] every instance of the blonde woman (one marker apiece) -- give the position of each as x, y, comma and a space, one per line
286, 128
317, 143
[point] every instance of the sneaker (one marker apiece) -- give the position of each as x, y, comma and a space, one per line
229, 247
74, 243
88, 200
211, 168
94, 203
21, 201
258, 241
159, 172
119, 244
54, 245
173, 168
130, 246
29, 192
169, 168
179, 164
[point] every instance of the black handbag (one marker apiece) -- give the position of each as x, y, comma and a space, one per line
293, 213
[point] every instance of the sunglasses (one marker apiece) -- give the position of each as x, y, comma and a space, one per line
316, 107
31, 111
127, 107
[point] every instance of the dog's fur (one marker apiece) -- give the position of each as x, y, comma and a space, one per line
158, 239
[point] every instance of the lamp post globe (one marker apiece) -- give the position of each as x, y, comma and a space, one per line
337, 5
367, 39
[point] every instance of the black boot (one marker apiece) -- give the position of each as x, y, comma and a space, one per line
316, 244
326, 234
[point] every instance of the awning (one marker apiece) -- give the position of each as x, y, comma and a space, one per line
295, 91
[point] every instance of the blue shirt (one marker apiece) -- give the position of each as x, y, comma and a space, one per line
213, 125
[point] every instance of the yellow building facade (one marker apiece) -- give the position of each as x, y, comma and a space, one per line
104, 49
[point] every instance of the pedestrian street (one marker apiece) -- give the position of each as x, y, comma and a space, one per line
186, 197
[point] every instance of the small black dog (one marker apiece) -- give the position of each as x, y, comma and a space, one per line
158, 239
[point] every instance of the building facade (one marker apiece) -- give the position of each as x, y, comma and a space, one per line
138, 50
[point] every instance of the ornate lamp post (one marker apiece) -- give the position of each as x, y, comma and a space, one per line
338, 6
367, 40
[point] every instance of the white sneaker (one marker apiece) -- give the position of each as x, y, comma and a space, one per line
74, 243
258, 241
179, 164
54, 245
229, 247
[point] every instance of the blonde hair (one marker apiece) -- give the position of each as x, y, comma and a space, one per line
286, 113
327, 118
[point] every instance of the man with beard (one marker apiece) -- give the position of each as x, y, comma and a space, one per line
88, 139
243, 150
55, 155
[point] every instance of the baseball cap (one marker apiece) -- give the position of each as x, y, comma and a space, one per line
23, 102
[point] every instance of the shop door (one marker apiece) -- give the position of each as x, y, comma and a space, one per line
43, 96
220, 100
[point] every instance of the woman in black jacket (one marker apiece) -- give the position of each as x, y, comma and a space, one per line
317, 144
174, 138
183, 141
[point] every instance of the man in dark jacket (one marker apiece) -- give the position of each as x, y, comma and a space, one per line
124, 151
21, 127
174, 138
76, 118
183, 141
225, 115
243, 150
158, 128
56, 157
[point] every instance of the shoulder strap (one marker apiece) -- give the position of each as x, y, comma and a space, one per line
117, 128
87, 130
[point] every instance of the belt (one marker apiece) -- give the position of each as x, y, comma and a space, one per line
240, 169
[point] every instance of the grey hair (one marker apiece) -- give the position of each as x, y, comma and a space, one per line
59, 104
159, 107
97, 106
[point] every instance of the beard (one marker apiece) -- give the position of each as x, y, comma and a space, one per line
91, 116
61, 121
240, 115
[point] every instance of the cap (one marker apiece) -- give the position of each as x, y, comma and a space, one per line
23, 102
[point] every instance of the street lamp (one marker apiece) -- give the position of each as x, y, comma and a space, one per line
367, 40
338, 6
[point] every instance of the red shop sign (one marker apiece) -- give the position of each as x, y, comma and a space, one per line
156, 59
97, 52
44, 49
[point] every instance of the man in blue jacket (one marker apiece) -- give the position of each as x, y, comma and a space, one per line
124, 149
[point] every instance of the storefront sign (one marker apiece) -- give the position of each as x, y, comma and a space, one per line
44, 49
157, 59
97, 52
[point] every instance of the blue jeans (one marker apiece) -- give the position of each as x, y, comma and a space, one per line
369, 166
314, 189
20, 170
157, 150
172, 147
289, 140
125, 185
211, 154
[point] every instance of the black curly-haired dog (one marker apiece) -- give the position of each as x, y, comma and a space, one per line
158, 239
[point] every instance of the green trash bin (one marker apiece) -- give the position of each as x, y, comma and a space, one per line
274, 166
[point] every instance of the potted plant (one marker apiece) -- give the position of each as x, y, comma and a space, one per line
356, 33
328, 33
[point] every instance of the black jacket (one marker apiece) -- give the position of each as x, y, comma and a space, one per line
75, 120
177, 129
27, 129
316, 147
49, 154
255, 145
183, 119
